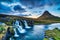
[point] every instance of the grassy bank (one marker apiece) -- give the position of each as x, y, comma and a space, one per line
55, 34
3, 29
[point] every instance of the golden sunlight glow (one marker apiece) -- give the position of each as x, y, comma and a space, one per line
33, 16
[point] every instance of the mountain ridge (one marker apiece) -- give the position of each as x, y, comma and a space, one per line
46, 14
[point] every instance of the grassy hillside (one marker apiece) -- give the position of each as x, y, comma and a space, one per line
55, 34
9, 19
47, 21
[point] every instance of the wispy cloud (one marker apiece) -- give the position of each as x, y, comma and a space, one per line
29, 7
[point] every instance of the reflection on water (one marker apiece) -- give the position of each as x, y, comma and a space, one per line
55, 25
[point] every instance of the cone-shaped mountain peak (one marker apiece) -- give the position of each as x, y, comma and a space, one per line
46, 13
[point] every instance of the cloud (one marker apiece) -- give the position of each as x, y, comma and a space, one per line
58, 9
8, 1
35, 3
34, 6
32, 3
19, 8
39, 3
4, 8
13, 7
56, 2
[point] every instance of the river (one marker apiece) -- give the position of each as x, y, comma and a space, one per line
37, 32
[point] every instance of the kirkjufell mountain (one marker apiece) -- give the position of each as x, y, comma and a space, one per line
46, 15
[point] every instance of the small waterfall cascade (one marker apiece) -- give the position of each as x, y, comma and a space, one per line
19, 27
26, 25
15, 35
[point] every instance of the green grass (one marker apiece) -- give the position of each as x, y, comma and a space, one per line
45, 38
1, 28
53, 33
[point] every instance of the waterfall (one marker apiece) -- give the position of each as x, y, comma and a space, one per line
26, 25
16, 35
14, 26
17, 23
19, 27
10, 38
21, 30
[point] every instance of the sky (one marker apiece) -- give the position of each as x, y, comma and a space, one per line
29, 8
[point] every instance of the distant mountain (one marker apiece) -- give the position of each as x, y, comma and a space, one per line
13, 17
46, 18
9, 19
46, 15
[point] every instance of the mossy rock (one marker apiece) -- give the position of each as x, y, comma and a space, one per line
12, 30
2, 29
